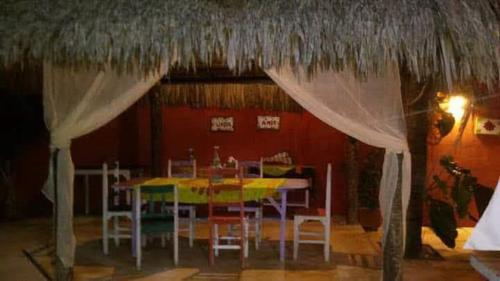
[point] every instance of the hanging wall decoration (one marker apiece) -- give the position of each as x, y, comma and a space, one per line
222, 124
487, 126
268, 122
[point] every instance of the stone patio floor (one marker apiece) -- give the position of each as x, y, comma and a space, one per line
355, 256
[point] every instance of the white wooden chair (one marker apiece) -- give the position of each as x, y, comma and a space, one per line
184, 169
114, 207
252, 169
320, 215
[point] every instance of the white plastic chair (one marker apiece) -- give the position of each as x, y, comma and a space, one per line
255, 222
320, 215
114, 207
190, 172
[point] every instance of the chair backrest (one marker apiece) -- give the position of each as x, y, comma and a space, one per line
181, 168
116, 174
251, 169
328, 199
218, 182
161, 194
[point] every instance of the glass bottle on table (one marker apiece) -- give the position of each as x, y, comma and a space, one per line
216, 161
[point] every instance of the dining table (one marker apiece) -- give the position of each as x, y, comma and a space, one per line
194, 191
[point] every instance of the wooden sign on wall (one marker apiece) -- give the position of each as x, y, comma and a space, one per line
222, 124
268, 122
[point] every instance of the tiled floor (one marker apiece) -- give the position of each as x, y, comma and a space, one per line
355, 256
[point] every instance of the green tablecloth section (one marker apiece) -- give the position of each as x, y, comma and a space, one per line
277, 170
194, 191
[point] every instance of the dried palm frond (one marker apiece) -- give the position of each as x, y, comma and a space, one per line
459, 38
265, 96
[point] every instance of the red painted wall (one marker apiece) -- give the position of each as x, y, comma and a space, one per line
479, 153
309, 141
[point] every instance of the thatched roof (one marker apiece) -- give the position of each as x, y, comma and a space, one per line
260, 95
457, 37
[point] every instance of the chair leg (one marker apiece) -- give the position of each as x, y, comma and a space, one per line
261, 218
246, 239
257, 228
176, 248
105, 235
326, 249
216, 240
210, 244
296, 236
192, 221
138, 251
116, 231
242, 244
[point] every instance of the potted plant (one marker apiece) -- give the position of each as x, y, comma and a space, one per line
368, 189
449, 198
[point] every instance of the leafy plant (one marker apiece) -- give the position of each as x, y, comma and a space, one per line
454, 200
443, 221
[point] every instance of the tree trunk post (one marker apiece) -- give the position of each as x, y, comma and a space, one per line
352, 180
392, 259
416, 100
156, 133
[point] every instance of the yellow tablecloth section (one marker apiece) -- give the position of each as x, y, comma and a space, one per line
194, 191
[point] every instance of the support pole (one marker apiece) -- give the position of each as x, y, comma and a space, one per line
416, 97
352, 180
156, 133
392, 259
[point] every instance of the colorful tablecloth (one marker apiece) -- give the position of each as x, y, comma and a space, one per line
194, 191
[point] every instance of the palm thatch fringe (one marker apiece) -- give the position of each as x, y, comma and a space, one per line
459, 38
265, 96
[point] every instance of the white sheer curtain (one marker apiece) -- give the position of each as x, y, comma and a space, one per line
76, 103
485, 235
369, 110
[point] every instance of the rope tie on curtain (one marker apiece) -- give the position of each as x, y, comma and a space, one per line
59, 143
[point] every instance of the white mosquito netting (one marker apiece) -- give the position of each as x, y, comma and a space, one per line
76, 103
369, 110
485, 235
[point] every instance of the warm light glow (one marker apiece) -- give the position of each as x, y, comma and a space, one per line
456, 106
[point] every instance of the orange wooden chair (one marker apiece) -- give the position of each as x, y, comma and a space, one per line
217, 214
